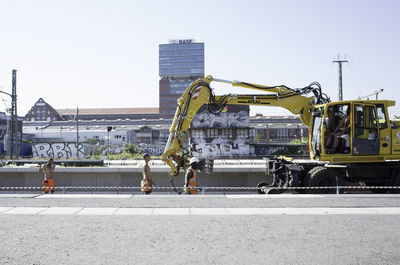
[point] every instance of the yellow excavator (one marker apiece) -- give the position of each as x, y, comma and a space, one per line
351, 141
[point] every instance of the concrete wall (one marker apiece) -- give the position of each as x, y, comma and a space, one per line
128, 177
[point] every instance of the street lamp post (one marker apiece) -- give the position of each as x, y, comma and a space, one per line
109, 128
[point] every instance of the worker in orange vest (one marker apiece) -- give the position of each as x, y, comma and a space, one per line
48, 181
147, 182
191, 176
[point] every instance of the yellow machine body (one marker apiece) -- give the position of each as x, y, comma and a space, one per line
370, 136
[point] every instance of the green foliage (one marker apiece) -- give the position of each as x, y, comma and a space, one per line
93, 141
289, 150
99, 150
129, 152
131, 149
259, 138
296, 147
302, 141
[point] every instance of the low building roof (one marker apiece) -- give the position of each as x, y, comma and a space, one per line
108, 111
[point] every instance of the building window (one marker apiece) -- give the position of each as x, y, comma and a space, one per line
243, 133
227, 133
212, 133
282, 133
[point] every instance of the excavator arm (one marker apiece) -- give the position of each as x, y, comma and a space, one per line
200, 93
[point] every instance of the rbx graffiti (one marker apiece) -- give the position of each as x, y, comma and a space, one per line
58, 150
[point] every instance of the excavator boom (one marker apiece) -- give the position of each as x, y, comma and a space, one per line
200, 93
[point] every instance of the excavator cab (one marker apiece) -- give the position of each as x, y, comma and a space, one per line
343, 131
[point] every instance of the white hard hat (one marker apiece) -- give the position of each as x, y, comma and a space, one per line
194, 160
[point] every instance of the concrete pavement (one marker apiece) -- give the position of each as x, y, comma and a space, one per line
209, 229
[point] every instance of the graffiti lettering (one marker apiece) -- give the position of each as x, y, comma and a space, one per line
240, 119
212, 151
58, 150
153, 150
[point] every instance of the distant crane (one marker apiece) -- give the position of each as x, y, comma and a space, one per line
372, 94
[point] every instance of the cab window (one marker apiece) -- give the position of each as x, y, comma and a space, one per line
380, 109
366, 138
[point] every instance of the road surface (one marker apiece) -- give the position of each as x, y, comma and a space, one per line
209, 229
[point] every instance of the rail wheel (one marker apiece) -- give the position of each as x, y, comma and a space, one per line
261, 187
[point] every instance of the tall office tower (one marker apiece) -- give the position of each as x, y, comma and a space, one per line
180, 63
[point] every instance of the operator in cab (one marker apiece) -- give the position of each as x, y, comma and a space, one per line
191, 177
339, 140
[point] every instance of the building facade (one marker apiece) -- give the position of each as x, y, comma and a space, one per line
222, 135
180, 63
42, 111
230, 134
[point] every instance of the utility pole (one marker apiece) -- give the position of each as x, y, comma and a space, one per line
14, 117
77, 132
339, 62
11, 141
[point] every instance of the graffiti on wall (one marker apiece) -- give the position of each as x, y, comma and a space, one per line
239, 119
220, 147
212, 151
58, 150
153, 149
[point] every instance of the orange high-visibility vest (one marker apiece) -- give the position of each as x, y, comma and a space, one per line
193, 182
147, 184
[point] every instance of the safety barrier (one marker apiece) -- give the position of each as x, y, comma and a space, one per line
203, 189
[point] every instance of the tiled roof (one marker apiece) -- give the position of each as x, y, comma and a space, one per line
110, 111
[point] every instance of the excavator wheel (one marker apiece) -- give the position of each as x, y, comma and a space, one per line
322, 177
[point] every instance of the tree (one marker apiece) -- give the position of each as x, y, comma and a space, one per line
131, 148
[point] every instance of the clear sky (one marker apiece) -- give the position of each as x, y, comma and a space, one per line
81, 53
